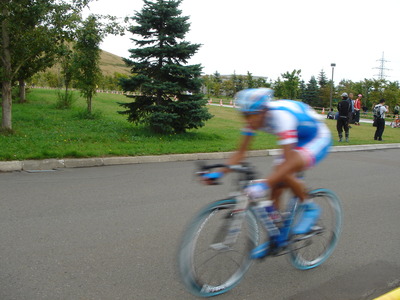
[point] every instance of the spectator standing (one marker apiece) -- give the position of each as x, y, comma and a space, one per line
351, 113
380, 120
344, 110
357, 109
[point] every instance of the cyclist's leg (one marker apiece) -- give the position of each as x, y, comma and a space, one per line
285, 173
276, 194
308, 153
313, 152
278, 188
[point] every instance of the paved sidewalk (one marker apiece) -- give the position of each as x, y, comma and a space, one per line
371, 121
52, 164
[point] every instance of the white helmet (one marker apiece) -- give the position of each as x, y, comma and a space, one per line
254, 100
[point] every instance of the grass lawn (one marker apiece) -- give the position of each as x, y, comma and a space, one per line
42, 131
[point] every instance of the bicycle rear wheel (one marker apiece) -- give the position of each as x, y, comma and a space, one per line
312, 249
207, 266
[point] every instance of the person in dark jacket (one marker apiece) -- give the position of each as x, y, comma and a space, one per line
380, 121
344, 108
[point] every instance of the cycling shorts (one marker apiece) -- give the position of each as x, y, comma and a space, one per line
315, 148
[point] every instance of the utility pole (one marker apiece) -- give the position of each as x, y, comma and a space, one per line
382, 67
333, 65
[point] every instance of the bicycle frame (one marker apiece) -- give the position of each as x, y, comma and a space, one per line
278, 235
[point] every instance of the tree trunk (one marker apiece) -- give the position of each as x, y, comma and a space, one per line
22, 91
89, 104
7, 106
6, 122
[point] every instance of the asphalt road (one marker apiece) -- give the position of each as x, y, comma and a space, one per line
113, 232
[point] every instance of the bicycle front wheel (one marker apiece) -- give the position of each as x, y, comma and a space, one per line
312, 249
209, 265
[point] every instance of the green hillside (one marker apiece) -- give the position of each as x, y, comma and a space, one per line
110, 64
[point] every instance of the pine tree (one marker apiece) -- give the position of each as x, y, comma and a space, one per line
322, 79
302, 91
311, 92
168, 91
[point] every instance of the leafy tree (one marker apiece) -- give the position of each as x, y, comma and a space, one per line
391, 94
169, 97
324, 95
238, 82
31, 30
291, 84
87, 59
345, 86
111, 82
228, 87
208, 83
380, 88
27, 70
217, 84
66, 61
250, 80
279, 88
261, 82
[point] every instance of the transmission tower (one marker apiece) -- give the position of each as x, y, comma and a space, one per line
382, 67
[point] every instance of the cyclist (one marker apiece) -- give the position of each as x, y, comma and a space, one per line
303, 137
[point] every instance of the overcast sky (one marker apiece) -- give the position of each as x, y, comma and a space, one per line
268, 38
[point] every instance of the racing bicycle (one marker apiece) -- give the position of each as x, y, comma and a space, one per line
216, 248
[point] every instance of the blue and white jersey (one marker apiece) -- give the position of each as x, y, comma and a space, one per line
297, 123
292, 121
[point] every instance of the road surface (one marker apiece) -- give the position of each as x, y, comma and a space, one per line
113, 232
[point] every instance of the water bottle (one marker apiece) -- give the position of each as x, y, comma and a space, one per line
263, 210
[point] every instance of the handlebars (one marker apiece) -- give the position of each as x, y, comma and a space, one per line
245, 169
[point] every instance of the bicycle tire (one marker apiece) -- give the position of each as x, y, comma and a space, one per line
317, 246
209, 272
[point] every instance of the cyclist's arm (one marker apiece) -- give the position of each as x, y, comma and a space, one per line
240, 154
235, 159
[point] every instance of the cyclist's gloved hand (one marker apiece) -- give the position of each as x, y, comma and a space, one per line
211, 178
257, 190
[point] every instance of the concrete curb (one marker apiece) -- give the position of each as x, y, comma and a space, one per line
52, 164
